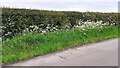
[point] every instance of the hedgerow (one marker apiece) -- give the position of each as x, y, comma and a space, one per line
18, 21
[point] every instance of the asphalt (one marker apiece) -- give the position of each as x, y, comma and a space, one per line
104, 53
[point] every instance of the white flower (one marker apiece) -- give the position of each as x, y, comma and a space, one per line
47, 27
82, 29
24, 34
43, 31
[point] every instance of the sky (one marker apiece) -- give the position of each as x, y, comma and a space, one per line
64, 5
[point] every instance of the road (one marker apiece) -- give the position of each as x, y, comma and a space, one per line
104, 53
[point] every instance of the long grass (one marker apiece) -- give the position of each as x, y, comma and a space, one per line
24, 47
0, 51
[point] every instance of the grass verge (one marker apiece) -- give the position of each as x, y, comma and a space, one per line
23, 47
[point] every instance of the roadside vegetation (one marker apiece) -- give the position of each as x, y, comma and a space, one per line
0, 51
27, 46
30, 33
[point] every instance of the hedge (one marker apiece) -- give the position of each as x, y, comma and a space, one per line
14, 20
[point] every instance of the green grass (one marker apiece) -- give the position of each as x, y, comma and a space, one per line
0, 51
24, 47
